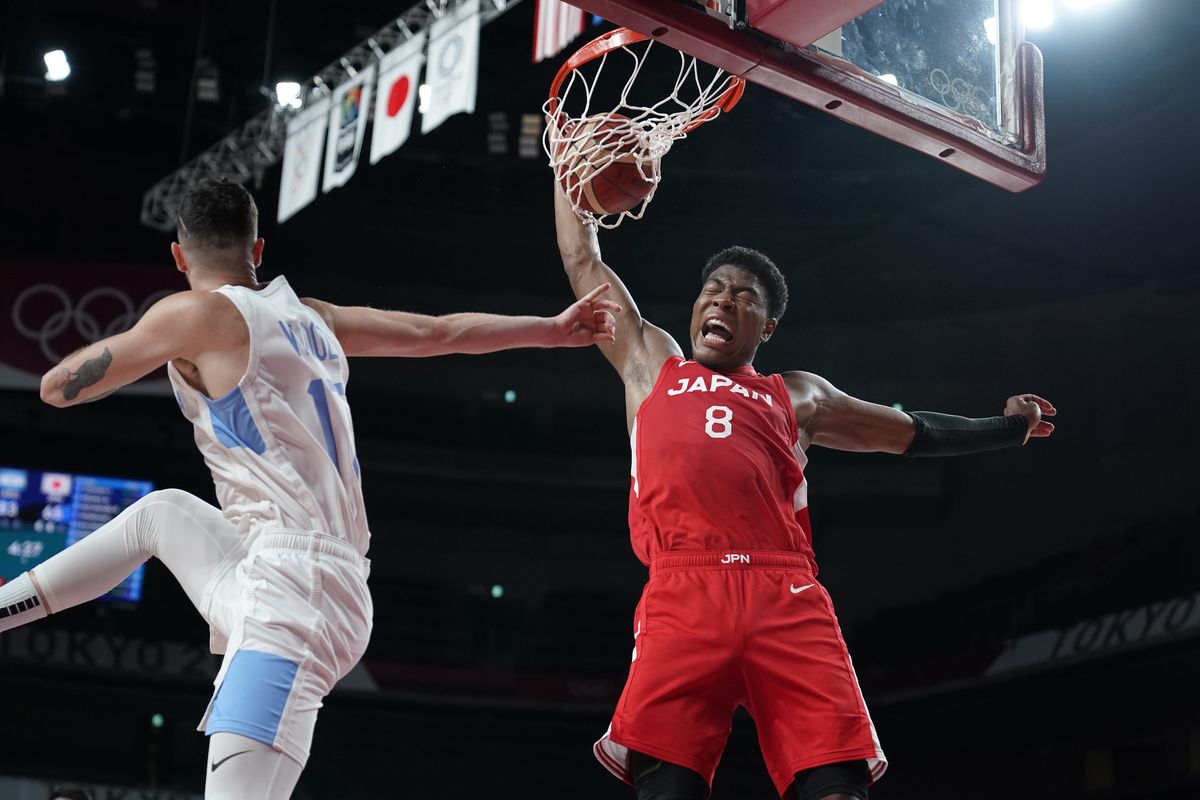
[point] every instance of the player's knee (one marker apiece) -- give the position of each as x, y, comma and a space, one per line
656, 779
165, 502
175, 497
148, 514
845, 780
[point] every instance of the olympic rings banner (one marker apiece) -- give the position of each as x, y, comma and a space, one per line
47, 311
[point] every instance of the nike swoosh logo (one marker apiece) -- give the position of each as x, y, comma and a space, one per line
216, 764
798, 589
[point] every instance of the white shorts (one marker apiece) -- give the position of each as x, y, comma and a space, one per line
292, 615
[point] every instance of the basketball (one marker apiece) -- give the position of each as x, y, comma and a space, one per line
602, 164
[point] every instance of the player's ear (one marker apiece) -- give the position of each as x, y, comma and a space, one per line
769, 328
259, 243
177, 254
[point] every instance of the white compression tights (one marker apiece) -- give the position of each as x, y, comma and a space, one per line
243, 769
195, 542
188, 535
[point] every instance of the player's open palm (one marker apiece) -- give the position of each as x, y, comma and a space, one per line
589, 320
1035, 410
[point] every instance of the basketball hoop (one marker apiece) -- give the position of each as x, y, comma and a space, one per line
608, 161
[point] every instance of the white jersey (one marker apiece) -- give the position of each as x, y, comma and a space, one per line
281, 444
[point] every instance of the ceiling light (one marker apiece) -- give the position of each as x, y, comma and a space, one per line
57, 67
1037, 14
287, 94
1086, 5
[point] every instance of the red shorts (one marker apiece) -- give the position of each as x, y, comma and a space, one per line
718, 630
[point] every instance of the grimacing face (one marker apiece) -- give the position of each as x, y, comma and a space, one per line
729, 319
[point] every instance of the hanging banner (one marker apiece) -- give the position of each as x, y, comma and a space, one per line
453, 68
555, 25
347, 127
396, 96
302, 159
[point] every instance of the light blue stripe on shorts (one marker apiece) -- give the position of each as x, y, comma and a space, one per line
253, 695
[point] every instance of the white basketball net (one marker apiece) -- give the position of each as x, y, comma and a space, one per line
582, 142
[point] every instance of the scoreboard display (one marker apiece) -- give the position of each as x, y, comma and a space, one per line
43, 512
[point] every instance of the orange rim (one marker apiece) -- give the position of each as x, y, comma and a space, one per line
616, 39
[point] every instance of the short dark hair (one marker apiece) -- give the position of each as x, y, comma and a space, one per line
70, 793
761, 267
218, 213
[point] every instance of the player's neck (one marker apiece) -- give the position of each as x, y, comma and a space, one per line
208, 278
731, 368
740, 369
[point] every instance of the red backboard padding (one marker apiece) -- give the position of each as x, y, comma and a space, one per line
877, 108
802, 22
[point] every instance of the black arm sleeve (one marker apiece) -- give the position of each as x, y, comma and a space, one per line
948, 435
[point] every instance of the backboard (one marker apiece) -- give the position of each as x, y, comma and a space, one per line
954, 80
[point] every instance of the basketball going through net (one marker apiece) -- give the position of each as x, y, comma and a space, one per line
606, 139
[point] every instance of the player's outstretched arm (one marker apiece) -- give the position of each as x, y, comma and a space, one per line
183, 325
831, 418
640, 348
375, 332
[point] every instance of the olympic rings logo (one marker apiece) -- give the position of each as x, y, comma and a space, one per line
958, 95
451, 54
77, 316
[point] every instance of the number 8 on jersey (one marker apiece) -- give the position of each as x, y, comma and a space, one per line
720, 422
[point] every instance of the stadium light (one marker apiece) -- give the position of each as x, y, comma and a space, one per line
287, 94
1037, 14
57, 66
1086, 5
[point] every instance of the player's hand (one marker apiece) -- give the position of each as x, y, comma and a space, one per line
588, 320
1035, 410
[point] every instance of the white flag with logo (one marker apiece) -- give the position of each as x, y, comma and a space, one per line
453, 65
302, 159
347, 127
396, 96
555, 24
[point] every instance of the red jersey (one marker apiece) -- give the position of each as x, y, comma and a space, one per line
717, 465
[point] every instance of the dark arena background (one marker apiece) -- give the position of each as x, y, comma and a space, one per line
1024, 623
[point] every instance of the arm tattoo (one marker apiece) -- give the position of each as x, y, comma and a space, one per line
90, 372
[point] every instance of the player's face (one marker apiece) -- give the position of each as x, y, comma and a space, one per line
729, 318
